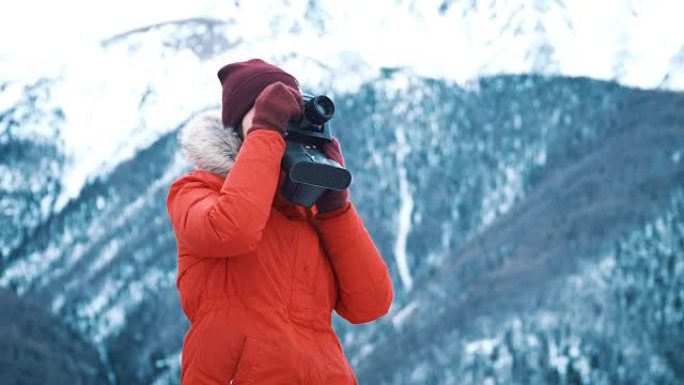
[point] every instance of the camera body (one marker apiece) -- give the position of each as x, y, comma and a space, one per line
309, 171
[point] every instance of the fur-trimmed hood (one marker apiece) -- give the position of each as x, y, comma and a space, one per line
209, 146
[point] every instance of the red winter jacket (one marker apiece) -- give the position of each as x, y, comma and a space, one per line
259, 277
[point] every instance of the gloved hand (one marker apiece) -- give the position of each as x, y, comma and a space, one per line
275, 106
332, 200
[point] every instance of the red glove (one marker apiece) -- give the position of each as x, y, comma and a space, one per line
332, 200
275, 106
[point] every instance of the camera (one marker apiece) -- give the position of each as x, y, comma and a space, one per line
309, 171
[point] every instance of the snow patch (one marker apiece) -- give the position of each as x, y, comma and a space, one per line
405, 210
484, 346
402, 314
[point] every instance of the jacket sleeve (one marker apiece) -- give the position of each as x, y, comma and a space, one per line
364, 283
231, 221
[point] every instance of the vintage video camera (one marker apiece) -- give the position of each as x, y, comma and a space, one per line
309, 171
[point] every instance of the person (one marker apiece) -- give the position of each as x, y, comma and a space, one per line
258, 277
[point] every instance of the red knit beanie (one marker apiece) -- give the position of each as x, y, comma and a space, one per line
242, 83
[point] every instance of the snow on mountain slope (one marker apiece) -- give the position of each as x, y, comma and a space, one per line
119, 94
518, 170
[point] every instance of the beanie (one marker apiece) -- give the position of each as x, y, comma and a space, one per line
242, 83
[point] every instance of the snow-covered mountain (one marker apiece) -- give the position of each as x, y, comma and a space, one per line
509, 207
124, 74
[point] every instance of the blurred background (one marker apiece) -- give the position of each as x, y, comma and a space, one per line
519, 164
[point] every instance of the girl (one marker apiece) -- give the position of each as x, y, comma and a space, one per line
259, 277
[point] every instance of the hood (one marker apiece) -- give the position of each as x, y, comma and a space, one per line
210, 147
207, 145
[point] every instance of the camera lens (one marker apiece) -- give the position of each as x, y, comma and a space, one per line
319, 109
